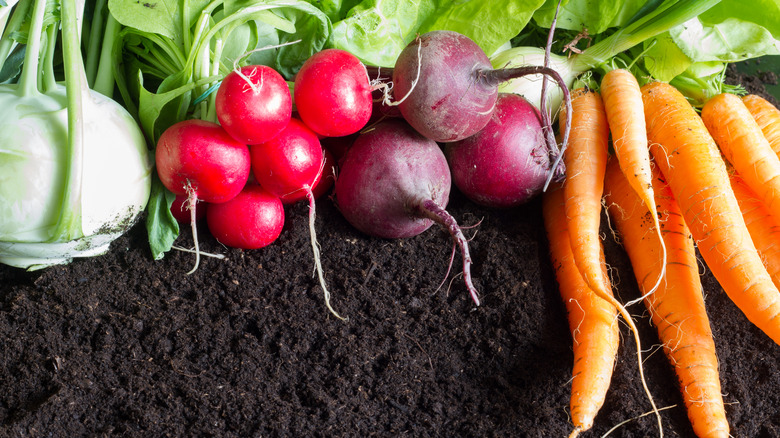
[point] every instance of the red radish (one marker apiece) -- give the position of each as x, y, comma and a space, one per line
199, 159
253, 103
507, 162
288, 162
180, 209
251, 220
323, 183
289, 165
338, 145
446, 88
333, 94
395, 183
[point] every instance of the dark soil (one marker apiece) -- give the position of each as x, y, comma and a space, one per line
120, 345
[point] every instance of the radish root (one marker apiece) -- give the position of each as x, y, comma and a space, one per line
316, 252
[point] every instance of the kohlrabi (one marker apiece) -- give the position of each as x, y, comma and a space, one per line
74, 168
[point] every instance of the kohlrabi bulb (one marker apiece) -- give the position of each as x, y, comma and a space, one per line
530, 86
35, 172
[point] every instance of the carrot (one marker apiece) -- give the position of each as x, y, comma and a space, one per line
677, 306
768, 118
764, 229
585, 159
743, 144
697, 175
592, 321
626, 116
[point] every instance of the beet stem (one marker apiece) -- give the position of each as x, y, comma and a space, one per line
433, 211
552, 145
497, 76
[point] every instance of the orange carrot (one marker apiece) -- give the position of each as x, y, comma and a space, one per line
690, 161
763, 227
743, 144
626, 116
592, 321
585, 159
768, 118
677, 306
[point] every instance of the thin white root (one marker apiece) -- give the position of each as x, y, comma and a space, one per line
192, 199
386, 100
624, 422
316, 251
207, 254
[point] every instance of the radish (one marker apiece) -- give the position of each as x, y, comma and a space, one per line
446, 88
290, 161
199, 159
395, 183
288, 166
322, 184
507, 162
251, 220
253, 104
333, 94
180, 209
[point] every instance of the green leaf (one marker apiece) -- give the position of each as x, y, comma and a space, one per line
763, 13
377, 30
161, 226
490, 23
664, 60
336, 10
730, 40
312, 29
594, 15
162, 17
151, 105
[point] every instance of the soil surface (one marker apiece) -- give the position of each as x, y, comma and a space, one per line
121, 345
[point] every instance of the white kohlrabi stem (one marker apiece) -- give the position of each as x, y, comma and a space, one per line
69, 223
28, 83
10, 26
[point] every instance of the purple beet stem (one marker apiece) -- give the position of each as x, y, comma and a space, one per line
433, 211
498, 76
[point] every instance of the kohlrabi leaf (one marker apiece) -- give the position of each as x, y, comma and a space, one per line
490, 23
377, 30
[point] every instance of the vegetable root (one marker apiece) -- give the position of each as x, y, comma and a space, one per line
585, 161
625, 114
768, 118
691, 162
593, 321
739, 137
677, 305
